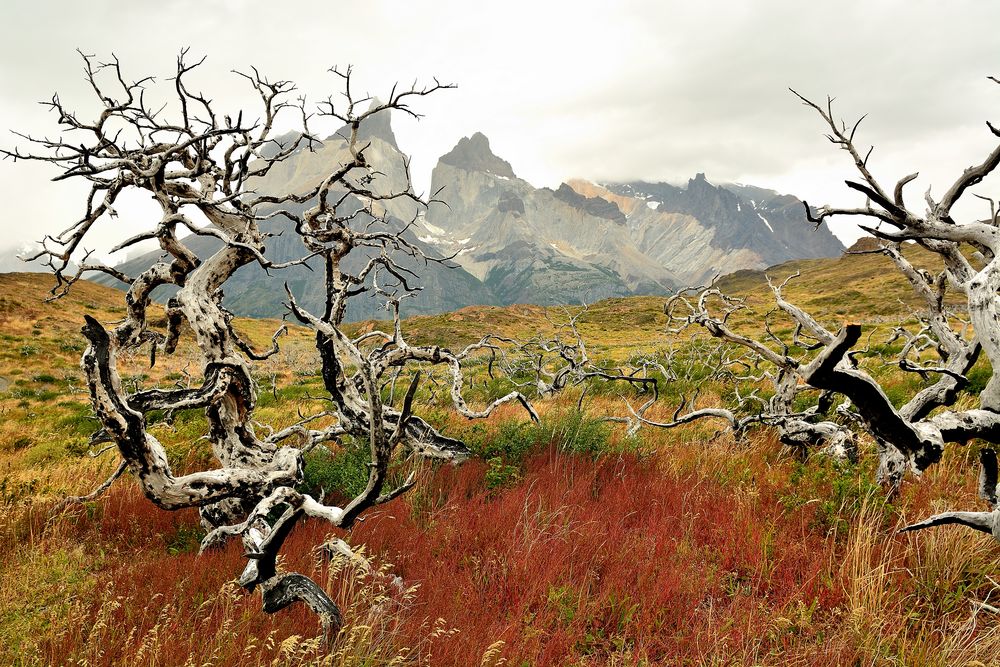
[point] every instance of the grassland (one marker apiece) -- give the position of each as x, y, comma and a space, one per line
562, 543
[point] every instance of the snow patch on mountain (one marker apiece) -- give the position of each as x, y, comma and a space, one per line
764, 220
434, 229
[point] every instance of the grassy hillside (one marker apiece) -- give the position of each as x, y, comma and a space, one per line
562, 543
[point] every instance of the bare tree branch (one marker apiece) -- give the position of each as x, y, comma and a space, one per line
199, 167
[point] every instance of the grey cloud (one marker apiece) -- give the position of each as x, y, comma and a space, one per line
643, 89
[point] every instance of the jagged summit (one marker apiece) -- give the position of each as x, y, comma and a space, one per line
513, 242
474, 154
703, 228
377, 126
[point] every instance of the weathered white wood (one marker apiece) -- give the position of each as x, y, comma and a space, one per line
912, 437
984, 522
201, 164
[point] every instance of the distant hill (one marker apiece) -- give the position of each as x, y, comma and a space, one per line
862, 288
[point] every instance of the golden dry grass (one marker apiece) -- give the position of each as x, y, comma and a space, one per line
906, 601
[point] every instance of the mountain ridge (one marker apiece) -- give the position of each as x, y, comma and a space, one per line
511, 242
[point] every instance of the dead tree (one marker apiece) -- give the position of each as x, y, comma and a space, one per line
914, 435
549, 365
200, 166
772, 361
910, 438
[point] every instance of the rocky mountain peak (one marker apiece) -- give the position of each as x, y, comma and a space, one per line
474, 154
748, 225
699, 184
590, 189
377, 126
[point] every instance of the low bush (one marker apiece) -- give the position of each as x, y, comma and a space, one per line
343, 473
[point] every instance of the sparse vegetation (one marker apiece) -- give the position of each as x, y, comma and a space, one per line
561, 544
618, 526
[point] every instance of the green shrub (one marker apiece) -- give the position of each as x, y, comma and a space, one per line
512, 442
978, 377
506, 450
500, 474
574, 432
344, 472
187, 539
70, 346
40, 453
839, 490
568, 431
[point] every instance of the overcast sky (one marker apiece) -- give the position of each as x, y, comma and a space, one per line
654, 90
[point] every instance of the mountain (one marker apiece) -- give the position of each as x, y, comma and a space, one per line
11, 262
533, 245
511, 242
585, 241
704, 230
250, 292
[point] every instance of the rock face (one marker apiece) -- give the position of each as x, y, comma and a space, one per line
514, 243
585, 240
704, 230
474, 154
596, 206
533, 245
251, 292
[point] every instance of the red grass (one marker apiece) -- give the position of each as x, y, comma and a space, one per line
581, 561
587, 558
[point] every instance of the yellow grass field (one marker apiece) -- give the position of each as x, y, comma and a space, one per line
562, 543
